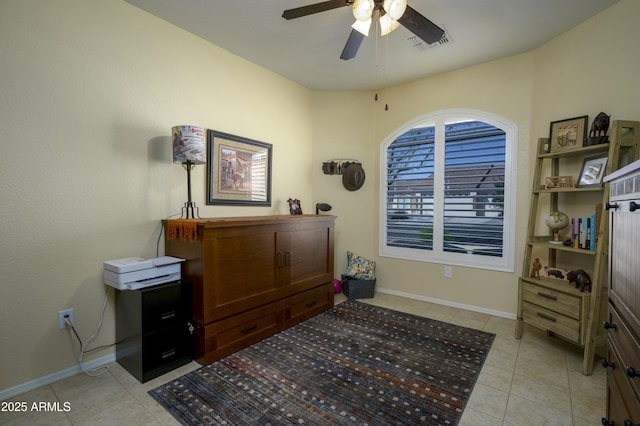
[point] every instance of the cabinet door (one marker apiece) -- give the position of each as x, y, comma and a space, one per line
239, 270
305, 257
624, 290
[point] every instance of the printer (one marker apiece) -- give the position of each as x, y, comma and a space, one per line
133, 273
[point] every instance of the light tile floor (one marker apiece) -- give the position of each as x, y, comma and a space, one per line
536, 380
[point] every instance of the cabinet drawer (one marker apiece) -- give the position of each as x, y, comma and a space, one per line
551, 321
163, 347
161, 307
556, 301
224, 337
624, 344
310, 303
622, 402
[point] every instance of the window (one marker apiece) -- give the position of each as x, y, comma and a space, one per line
448, 191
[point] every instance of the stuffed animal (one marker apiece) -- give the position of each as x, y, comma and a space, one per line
580, 278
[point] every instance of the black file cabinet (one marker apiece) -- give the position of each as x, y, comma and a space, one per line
153, 329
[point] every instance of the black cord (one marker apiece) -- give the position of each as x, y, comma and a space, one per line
160, 234
76, 333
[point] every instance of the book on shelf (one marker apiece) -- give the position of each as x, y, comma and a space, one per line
584, 230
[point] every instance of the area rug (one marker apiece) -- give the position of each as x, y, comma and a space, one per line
355, 364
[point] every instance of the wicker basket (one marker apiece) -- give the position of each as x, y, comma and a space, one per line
358, 289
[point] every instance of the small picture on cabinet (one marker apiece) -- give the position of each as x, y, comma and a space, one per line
592, 172
294, 206
568, 134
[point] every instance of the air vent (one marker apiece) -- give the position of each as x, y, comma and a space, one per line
420, 45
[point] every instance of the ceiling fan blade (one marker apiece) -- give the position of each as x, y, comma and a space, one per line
352, 46
299, 12
421, 26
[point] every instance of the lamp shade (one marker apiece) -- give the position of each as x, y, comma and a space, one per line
189, 144
362, 9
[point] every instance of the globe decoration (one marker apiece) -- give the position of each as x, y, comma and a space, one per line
556, 221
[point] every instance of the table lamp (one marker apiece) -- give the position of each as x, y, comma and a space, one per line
189, 149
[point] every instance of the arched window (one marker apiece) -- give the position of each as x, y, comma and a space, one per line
448, 188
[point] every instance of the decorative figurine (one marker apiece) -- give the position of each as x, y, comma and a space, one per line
599, 128
580, 278
535, 268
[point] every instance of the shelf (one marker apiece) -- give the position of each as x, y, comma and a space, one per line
543, 242
541, 190
557, 285
587, 150
579, 315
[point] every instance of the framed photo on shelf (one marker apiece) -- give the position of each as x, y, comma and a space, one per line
238, 170
568, 134
592, 171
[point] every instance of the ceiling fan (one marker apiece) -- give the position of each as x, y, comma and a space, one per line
390, 13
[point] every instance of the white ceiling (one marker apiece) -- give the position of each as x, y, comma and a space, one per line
307, 50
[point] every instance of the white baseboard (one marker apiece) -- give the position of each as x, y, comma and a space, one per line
507, 315
54, 377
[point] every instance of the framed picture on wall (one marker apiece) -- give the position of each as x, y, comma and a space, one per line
568, 134
238, 170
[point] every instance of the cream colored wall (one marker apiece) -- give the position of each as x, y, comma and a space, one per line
587, 70
359, 125
89, 91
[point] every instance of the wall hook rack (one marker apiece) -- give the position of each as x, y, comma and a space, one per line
337, 166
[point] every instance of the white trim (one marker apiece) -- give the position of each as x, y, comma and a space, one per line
506, 263
54, 377
472, 308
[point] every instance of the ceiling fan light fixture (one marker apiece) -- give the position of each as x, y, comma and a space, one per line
363, 9
362, 26
395, 8
387, 24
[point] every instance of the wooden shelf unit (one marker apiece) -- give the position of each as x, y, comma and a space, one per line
556, 306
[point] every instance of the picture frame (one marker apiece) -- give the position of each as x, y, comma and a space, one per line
592, 172
238, 170
565, 135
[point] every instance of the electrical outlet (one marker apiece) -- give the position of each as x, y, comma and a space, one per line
61, 314
447, 271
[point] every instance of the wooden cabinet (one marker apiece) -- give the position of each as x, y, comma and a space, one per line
153, 329
555, 305
255, 276
623, 322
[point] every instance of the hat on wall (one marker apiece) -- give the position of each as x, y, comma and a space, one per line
353, 177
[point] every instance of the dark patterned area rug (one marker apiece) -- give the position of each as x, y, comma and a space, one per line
354, 364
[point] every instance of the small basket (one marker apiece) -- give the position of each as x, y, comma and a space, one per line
354, 288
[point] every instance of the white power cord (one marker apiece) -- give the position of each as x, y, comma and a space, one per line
98, 370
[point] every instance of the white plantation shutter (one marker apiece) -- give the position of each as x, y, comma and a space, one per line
445, 197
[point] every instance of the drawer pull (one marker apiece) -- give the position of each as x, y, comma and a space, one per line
288, 260
627, 422
548, 296
249, 329
545, 316
168, 315
310, 304
280, 260
607, 325
168, 353
631, 372
607, 364
606, 422
633, 206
